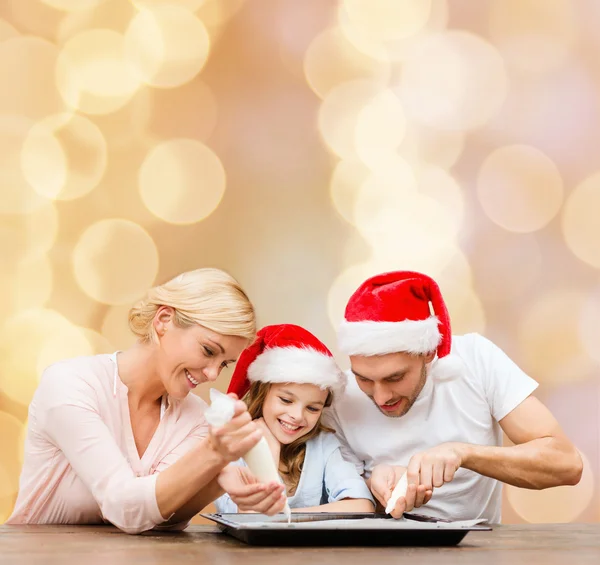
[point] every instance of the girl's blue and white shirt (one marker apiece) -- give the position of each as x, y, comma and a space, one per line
326, 477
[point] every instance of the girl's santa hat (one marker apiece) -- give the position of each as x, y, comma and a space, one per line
286, 353
401, 311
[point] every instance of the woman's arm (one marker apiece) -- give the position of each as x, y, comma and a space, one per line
68, 414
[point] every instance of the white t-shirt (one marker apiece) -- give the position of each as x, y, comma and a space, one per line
466, 409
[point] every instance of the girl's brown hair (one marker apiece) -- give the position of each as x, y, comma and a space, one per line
291, 458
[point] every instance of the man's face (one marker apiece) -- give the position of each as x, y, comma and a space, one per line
393, 382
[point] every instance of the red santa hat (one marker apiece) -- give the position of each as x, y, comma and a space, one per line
286, 353
401, 311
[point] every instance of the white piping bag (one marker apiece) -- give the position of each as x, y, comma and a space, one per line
259, 459
398, 492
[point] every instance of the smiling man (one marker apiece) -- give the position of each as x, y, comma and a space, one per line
435, 406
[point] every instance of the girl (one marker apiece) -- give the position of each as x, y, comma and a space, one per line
288, 377
118, 438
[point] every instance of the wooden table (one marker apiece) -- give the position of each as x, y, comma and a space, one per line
560, 544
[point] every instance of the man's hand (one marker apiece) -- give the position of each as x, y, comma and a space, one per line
274, 444
237, 437
436, 466
383, 480
249, 494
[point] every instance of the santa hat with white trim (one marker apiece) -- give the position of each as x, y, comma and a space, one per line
286, 353
401, 311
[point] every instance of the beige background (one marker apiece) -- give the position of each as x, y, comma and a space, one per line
303, 146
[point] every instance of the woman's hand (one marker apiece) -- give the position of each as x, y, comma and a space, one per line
249, 494
237, 437
274, 444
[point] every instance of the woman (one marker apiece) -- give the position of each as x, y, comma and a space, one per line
290, 377
118, 438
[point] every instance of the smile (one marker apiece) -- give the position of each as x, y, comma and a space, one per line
288, 428
390, 407
191, 379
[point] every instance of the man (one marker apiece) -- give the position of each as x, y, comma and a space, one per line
421, 401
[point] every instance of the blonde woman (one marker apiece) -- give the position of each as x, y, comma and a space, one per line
119, 439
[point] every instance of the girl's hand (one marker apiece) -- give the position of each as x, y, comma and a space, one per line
248, 494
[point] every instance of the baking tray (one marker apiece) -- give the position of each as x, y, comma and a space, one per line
357, 529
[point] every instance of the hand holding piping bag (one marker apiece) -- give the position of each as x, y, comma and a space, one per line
259, 457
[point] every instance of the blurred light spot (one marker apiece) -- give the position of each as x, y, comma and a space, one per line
98, 342
32, 17
182, 181
387, 20
115, 327
588, 325
73, 5
339, 113
28, 234
29, 342
216, 13
389, 212
195, 99
10, 433
27, 78
453, 80
348, 176
442, 148
520, 188
377, 46
331, 60
115, 261
110, 14
549, 338
465, 308
559, 504
92, 74
17, 195
192, 5
343, 287
507, 264
127, 128
32, 282
533, 35
7, 31
380, 127
168, 45
580, 223
64, 156
442, 187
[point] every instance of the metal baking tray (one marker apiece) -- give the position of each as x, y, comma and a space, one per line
353, 529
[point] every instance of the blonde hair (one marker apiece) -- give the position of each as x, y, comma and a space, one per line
208, 297
291, 457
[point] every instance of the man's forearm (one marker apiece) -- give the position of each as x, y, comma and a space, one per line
537, 464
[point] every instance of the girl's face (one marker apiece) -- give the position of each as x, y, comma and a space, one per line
292, 410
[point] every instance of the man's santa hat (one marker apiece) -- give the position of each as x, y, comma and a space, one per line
401, 311
286, 353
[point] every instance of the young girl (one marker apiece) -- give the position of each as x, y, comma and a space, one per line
288, 377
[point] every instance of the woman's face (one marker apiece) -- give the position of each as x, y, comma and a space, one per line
191, 356
292, 410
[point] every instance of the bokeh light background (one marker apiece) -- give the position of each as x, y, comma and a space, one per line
303, 146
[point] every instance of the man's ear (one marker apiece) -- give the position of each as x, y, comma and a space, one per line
429, 357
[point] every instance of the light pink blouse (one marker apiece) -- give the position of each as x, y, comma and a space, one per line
81, 465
